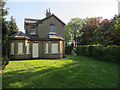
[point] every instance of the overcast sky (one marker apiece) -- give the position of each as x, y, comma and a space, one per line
63, 9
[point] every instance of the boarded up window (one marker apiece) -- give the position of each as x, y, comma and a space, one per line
46, 48
54, 48
27, 49
12, 48
20, 48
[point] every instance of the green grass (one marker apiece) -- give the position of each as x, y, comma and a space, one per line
74, 72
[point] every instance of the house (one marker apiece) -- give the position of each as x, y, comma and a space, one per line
42, 39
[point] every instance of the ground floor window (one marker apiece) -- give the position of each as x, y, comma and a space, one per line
20, 48
12, 48
54, 48
46, 48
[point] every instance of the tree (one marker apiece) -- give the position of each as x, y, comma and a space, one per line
12, 27
4, 35
72, 29
116, 31
90, 25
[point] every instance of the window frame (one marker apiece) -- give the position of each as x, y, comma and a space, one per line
31, 30
52, 26
28, 48
20, 53
46, 49
54, 46
12, 49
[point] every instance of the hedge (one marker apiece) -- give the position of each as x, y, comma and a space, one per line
68, 49
109, 53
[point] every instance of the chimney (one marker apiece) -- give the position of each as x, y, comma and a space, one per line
48, 13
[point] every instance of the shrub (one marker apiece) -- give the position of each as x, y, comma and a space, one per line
68, 49
110, 53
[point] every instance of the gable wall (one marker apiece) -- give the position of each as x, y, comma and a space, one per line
43, 29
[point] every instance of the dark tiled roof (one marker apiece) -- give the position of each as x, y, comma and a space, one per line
33, 36
37, 21
52, 36
40, 21
19, 34
31, 21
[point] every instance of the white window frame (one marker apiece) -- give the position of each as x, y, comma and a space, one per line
46, 48
20, 50
54, 51
31, 30
52, 28
12, 49
28, 48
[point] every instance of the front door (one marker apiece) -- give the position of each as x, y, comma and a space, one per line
35, 50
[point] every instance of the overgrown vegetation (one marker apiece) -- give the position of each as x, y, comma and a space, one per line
93, 31
8, 28
109, 53
74, 72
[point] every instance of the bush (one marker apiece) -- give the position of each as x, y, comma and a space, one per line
110, 53
68, 49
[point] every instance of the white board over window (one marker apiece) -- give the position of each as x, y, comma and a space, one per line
27, 49
54, 48
12, 48
20, 48
46, 48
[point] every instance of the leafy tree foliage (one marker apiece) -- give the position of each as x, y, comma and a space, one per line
116, 32
12, 27
90, 25
94, 31
72, 29
8, 28
4, 35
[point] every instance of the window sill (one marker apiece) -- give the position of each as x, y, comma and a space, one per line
20, 54
54, 53
46, 53
33, 33
52, 32
11, 53
27, 53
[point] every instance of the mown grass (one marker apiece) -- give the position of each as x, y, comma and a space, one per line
74, 72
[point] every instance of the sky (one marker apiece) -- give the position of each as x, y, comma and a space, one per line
63, 9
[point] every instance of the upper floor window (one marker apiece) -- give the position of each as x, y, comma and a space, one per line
52, 28
33, 30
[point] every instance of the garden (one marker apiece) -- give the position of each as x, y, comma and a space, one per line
71, 72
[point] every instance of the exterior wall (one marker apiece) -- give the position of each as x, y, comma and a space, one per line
41, 49
43, 29
50, 55
28, 29
16, 56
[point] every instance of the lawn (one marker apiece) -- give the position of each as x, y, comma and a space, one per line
73, 72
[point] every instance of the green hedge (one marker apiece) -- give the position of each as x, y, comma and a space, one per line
68, 49
110, 53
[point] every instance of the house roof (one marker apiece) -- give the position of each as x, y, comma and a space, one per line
36, 37
18, 35
31, 21
38, 21
52, 36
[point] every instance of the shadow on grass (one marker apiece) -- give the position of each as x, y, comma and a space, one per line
79, 74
